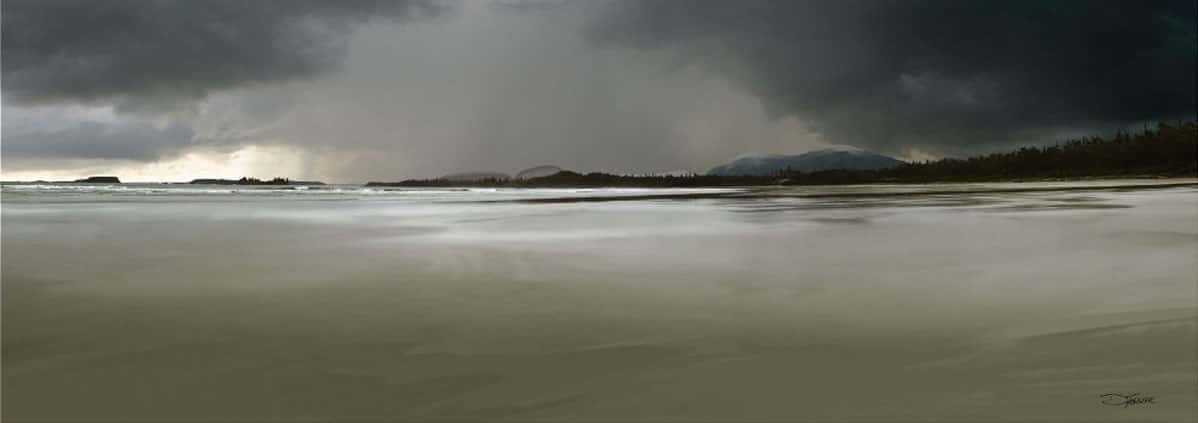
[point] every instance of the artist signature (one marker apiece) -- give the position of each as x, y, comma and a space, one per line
1126, 400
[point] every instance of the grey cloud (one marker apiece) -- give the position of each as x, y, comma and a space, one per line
940, 75
98, 140
158, 53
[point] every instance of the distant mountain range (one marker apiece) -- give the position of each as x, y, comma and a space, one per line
835, 157
538, 172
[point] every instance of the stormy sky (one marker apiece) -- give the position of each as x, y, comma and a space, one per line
356, 90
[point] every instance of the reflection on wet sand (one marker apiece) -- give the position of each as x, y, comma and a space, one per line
988, 306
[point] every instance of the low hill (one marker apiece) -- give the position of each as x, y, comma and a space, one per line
835, 157
538, 172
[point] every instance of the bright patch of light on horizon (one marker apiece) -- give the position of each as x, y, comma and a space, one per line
262, 162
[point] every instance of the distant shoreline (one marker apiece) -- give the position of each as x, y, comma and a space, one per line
1164, 152
741, 181
251, 181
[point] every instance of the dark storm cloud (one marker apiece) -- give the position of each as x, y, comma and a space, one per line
161, 52
941, 75
96, 140
626, 86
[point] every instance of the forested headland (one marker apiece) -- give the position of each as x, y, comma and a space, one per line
1165, 151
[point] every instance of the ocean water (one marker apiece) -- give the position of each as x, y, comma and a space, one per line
952, 302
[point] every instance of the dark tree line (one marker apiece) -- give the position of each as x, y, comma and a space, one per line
253, 181
1167, 150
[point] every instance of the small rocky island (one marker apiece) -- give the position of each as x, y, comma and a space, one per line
99, 180
252, 181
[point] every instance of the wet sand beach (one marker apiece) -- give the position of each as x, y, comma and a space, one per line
978, 302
